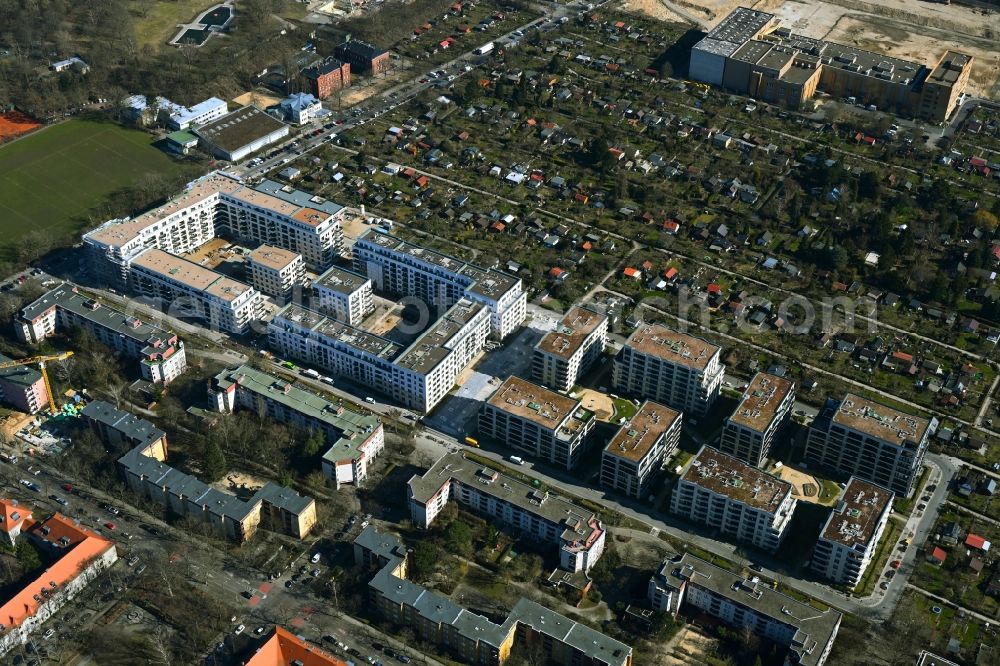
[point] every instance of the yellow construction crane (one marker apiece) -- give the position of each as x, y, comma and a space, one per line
40, 361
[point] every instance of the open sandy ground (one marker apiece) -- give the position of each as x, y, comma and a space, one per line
599, 403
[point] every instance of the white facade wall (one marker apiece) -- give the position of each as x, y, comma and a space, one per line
19, 635
229, 315
733, 518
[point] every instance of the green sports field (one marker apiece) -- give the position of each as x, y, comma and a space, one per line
50, 180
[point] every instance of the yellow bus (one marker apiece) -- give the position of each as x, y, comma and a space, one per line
471, 442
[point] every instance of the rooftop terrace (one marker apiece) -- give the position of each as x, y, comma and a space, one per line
634, 439
531, 402
759, 406
571, 332
725, 475
670, 345
856, 516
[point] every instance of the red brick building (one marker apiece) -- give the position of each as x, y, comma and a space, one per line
327, 77
363, 57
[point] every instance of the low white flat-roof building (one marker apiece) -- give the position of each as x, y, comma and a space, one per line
199, 114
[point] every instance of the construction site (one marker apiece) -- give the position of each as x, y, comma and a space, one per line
916, 30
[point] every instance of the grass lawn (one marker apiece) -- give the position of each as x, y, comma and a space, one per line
159, 24
893, 530
624, 409
51, 179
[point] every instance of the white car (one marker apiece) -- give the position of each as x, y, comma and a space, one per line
239, 629
315, 558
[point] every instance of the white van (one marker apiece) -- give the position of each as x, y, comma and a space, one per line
517, 460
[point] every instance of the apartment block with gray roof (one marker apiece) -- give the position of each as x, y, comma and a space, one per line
417, 376
344, 294
22, 387
354, 439
473, 638
578, 532
402, 268
752, 427
850, 536
159, 352
124, 430
740, 602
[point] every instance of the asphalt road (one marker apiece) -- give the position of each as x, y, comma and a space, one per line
877, 606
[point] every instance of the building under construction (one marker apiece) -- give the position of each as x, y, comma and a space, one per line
751, 54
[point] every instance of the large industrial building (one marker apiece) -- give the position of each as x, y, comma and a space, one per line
473, 638
750, 430
746, 603
877, 443
159, 353
671, 367
851, 534
534, 420
633, 457
577, 531
740, 501
749, 53
569, 350
355, 439
401, 268
418, 375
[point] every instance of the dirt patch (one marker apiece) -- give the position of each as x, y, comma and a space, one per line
804, 486
599, 403
652, 8
15, 123
240, 482
690, 646
258, 99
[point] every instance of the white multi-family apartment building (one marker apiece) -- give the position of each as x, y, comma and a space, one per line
877, 443
750, 431
577, 531
417, 376
569, 350
276, 271
633, 457
746, 603
740, 501
160, 354
185, 288
219, 204
439, 281
671, 367
537, 421
355, 439
345, 295
851, 534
